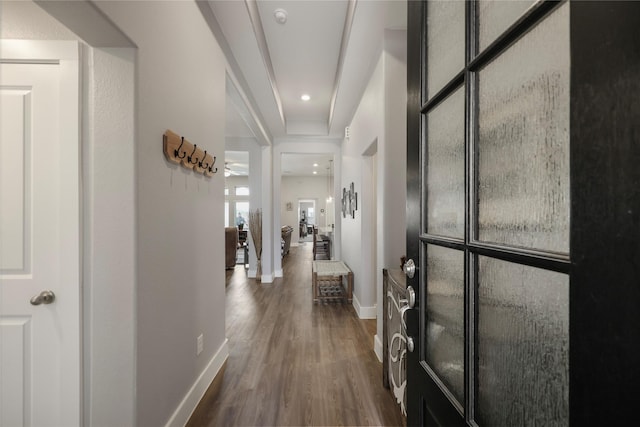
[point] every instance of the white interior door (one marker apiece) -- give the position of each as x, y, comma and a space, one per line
40, 358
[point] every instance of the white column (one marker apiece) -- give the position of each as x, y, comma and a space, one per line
277, 203
255, 198
269, 235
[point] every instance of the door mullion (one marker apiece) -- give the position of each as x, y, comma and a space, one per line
470, 294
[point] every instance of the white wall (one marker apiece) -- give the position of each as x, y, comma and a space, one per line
180, 85
393, 181
367, 128
25, 20
109, 237
378, 130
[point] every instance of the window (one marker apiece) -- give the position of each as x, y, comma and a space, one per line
242, 213
242, 191
236, 196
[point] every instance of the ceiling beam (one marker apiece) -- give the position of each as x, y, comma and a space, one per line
256, 23
240, 90
346, 32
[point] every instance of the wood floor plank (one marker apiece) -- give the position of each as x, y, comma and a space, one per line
292, 362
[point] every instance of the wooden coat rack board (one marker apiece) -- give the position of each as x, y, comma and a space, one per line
179, 150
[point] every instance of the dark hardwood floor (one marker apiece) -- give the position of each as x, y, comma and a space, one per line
293, 363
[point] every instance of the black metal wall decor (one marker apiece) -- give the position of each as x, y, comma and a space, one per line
349, 202
344, 203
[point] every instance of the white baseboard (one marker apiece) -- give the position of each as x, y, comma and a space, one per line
377, 347
279, 273
364, 312
265, 278
182, 414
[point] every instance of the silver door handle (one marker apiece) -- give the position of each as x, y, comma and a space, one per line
409, 303
45, 297
411, 297
409, 268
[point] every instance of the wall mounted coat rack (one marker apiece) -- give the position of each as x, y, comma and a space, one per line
179, 150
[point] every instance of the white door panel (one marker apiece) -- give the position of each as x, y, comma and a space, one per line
39, 244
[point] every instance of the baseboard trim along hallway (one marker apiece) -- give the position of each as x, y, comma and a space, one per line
377, 347
364, 312
193, 397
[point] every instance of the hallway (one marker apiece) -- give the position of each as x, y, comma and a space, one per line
292, 362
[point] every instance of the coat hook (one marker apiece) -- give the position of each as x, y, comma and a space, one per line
195, 146
212, 165
176, 153
203, 158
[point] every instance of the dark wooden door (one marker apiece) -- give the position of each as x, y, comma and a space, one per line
523, 201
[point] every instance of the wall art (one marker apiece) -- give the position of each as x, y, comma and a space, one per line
349, 201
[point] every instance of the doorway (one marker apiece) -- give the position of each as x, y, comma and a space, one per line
40, 306
306, 219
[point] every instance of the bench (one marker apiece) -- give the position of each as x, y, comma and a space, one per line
328, 281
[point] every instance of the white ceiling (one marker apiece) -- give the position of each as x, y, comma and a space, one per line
236, 163
327, 49
304, 53
293, 164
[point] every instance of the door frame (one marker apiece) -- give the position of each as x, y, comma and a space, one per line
307, 200
67, 54
604, 320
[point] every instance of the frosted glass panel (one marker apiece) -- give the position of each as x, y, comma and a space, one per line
495, 16
523, 141
445, 317
445, 167
523, 345
445, 42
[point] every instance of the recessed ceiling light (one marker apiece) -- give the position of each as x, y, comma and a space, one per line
305, 97
315, 165
315, 172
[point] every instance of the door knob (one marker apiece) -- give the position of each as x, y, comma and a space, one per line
409, 268
45, 297
410, 345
